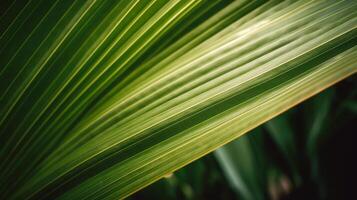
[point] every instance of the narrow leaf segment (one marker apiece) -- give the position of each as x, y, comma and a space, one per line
101, 98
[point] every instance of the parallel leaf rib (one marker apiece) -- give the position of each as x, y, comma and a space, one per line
101, 98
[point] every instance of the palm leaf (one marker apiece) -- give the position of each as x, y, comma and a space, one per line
101, 98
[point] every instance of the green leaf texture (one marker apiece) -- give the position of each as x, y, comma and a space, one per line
101, 98
244, 165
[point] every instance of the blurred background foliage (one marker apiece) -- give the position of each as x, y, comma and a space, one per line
305, 153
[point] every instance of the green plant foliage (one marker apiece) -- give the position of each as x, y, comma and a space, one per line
101, 98
244, 166
313, 124
255, 166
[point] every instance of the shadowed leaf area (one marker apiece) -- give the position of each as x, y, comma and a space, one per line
257, 165
99, 99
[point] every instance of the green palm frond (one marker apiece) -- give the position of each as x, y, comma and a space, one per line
101, 98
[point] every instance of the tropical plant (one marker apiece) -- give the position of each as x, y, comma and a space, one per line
305, 153
101, 98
